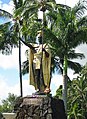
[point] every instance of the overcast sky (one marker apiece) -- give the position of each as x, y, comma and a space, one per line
9, 73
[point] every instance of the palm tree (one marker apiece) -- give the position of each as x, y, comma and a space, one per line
29, 14
70, 28
11, 35
6, 40
17, 5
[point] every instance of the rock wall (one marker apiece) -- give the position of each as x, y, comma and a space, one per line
58, 109
40, 107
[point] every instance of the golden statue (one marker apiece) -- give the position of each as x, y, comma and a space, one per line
40, 66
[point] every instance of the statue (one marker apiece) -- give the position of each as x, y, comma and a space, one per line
40, 65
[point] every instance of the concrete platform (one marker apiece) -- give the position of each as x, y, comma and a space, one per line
9, 115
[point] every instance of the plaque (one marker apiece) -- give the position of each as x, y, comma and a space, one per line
32, 101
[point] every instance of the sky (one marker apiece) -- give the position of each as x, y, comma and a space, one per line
9, 65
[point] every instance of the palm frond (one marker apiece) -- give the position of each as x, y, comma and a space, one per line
74, 66
7, 40
18, 3
25, 67
5, 13
51, 38
82, 22
73, 55
80, 8
81, 36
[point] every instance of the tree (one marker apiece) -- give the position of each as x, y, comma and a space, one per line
8, 104
7, 41
28, 12
70, 31
17, 28
10, 34
77, 94
59, 92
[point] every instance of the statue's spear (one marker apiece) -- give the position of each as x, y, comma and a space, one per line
43, 9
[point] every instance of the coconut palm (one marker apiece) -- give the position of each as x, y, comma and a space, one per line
17, 28
29, 14
11, 34
70, 28
7, 42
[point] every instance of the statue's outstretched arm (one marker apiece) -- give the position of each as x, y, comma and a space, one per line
27, 44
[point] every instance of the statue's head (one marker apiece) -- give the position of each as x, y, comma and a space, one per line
39, 37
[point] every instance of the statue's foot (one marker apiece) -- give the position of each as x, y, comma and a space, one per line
47, 90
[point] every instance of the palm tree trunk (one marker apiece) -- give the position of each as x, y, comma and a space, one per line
20, 74
65, 82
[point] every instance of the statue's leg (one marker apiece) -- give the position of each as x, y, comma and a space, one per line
37, 78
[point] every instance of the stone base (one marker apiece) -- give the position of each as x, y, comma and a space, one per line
8, 116
40, 107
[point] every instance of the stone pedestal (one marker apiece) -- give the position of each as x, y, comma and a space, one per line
8, 116
40, 107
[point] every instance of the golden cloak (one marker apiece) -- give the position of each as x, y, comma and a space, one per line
46, 64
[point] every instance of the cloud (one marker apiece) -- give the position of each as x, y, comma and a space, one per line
56, 81
7, 7
70, 3
9, 61
12, 61
82, 49
5, 88
15, 89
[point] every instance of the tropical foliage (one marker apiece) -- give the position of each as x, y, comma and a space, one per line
10, 35
7, 105
77, 96
70, 29
7, 36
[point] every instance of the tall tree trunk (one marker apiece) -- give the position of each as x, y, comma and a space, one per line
65, 82
20, 74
